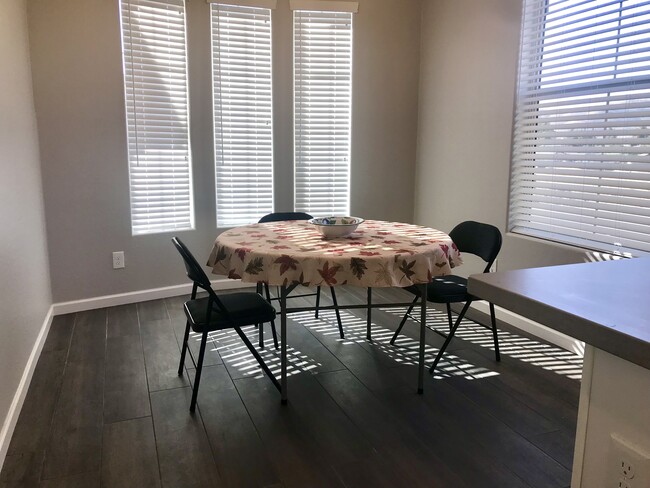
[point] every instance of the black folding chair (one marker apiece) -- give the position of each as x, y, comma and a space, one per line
482, 240
229, 311
281, 217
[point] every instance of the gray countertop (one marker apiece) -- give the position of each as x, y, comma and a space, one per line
604, 304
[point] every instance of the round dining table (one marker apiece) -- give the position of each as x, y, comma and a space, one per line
376, 254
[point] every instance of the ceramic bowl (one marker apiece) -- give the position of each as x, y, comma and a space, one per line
333, 227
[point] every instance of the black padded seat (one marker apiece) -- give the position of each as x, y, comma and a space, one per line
243, 309
445, 289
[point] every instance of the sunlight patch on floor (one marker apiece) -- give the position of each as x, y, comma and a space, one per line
546, 356
405, 352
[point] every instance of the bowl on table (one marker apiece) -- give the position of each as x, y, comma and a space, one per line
333, 227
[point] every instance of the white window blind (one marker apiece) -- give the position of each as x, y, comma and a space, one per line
322, 110
581, 162
155, 81
243, 114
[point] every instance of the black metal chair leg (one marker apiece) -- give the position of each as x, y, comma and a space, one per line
260, 335
317, 301
199, 368
449, 337
494, 332
401, 324
275, 335
258, 358
338, 315
258, 290
451, 322
186, 337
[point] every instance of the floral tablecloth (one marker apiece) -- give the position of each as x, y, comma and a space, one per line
377, 254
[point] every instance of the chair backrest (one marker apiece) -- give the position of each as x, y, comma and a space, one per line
198, 276
194, 270
281, 216
482, 240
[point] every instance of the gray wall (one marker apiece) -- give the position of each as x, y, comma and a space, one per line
76, 63
24, 278
468, 64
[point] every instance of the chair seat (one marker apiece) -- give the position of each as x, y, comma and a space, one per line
243, 308
445, 289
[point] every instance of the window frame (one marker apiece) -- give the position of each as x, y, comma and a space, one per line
239, 108
596, 225
331, 171
147, 110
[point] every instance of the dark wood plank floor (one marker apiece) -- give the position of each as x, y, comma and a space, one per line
106, 407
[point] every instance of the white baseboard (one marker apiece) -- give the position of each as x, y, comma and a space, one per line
140, 296
534, 328
19, 397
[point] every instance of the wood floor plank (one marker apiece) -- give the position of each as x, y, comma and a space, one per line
469, 419
58, 338
559, 445
512, 412
84, 480
184, 454
287, 441
129, 455
338, 438
123, 321
161, 355
418, 464
32, 430
88, 344
126, 395
22, 470
375, 471
531, 386
152, 310
238, 450
473, 462
75, 443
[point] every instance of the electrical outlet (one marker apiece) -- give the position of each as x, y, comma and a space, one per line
627, 467
493, 268
118, 259
624, 483
629, 464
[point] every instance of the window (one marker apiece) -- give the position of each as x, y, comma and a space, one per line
243, 115
581, 166
155, 85
322, 106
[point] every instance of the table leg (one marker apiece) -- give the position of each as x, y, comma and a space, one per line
369, 316
283, 344
423, 328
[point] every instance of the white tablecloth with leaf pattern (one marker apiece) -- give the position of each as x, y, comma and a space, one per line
377, 254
